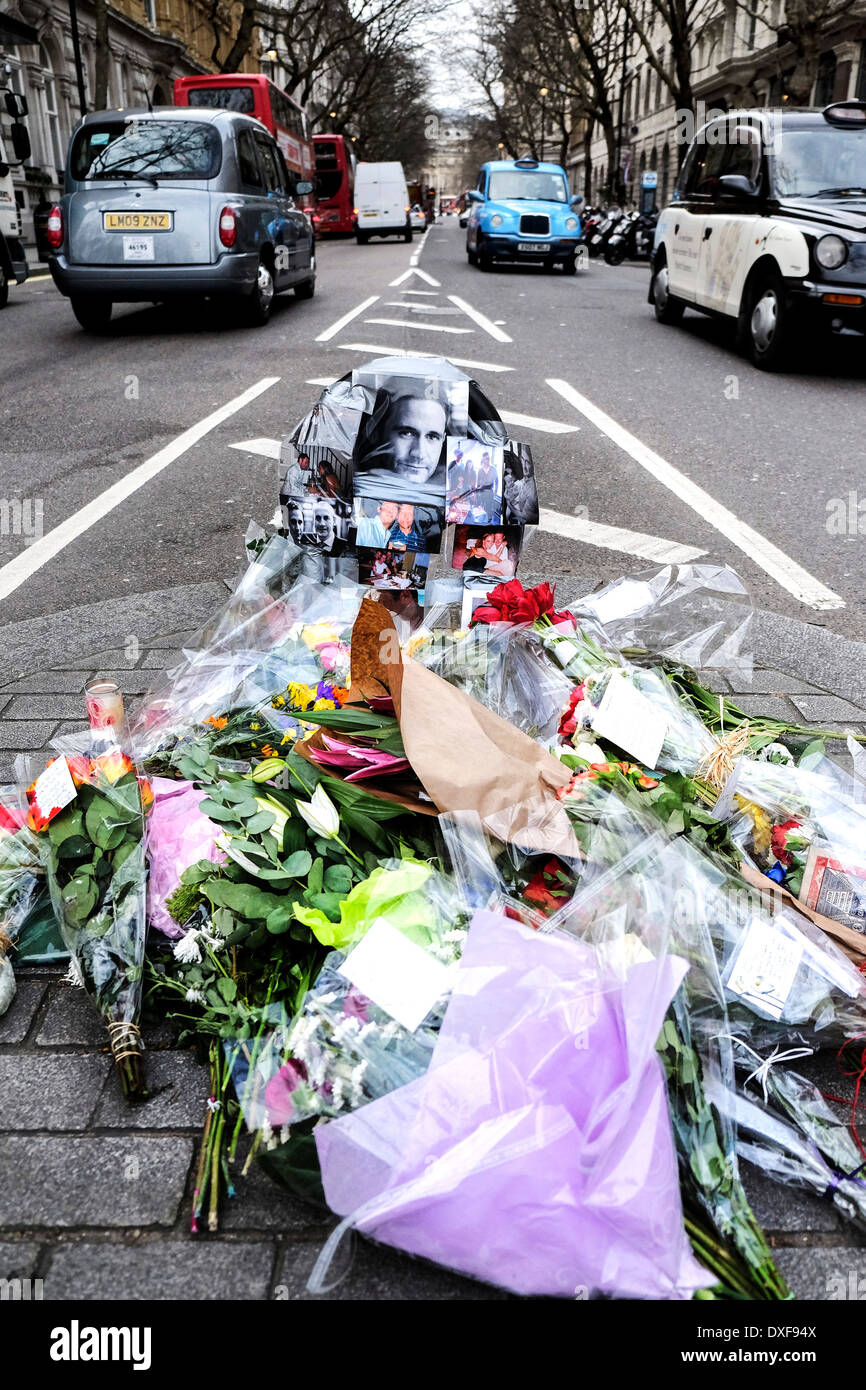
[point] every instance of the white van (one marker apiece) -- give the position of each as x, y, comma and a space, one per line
381, 202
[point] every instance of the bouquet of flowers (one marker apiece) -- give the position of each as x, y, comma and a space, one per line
87, 814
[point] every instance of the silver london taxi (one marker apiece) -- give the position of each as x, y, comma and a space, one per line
768, 228
178, 201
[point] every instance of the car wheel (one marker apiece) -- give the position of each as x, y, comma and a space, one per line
259, 302
471, 256
668, 309
93, 311
483, 258
407, 235
768, 338
4, 288
569, 265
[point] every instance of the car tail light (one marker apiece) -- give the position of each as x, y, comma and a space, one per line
408, 209
228, 227
54, 228
355, 211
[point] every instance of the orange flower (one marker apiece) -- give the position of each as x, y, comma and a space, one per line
114, 765
218, 721
146, 791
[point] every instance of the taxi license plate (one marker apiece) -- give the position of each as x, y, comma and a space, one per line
137, 221
138, 248
532, 246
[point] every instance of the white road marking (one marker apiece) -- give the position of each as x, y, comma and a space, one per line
534, 422
413, 270
311, 381
434, 294
425, 327
347, 318
654, 548
785, 571
418, 308
401, 352
25, 565
483, 322
265, 448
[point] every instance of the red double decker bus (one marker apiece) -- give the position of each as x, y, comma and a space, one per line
335, 183
255, 95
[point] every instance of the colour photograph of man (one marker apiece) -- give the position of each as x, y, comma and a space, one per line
486, 555
400, 525
474, 482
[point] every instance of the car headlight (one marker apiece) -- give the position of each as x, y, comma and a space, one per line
571, 224
496, 220
831, 252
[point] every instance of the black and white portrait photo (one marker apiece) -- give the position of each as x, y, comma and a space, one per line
318, 523
520, 492
400, 450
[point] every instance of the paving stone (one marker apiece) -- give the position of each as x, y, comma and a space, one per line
15, 1023
377, 1273
58, 1180
135, 682
71, 1020
25, 735
163, 1270
822, 1275
46, 707
766, 681
45, 1091
782, 1208
178, 1087
18, 1258
115, 657
49, 683
173, 640
71, 726
827, 709
161, 660
771, 706
263, 1205
714, 680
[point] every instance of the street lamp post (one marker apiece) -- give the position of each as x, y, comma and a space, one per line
542, 92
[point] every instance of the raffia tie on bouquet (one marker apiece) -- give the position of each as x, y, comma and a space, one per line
717, 766
125, 1040
5, 943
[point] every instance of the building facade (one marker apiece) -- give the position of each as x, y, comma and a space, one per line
738, 60
151, 42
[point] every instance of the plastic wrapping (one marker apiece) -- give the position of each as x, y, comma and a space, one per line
544, 1100
251, 656
347, 1047
505, 668
90, 833
696, 614
178, 835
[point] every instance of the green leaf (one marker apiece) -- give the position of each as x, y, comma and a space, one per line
243, 898
338, 878
245, 810
329, 903
300, 864
227, 988
215, 811
279, 921
259, 823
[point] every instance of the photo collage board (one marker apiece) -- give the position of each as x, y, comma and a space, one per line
388, 474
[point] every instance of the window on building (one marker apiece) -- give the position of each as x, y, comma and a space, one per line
150, 11
826, 79
664, 175
648, 91
752, 23
659, 80
55, 149
860, 92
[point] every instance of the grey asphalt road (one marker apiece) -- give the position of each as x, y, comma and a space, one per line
780, 454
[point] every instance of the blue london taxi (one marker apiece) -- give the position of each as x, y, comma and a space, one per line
522, 210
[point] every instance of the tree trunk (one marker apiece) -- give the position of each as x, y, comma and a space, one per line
103, 57
243, 39
587, 161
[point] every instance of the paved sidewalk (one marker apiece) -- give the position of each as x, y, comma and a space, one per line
96, 1195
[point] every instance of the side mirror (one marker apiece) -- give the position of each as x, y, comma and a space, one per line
20, 142
303, 187
576, 201
4, 169
16, 106
736, 187
474, 196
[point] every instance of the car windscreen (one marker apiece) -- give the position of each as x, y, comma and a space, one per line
530, 183
818, 160
223, 98
148, 149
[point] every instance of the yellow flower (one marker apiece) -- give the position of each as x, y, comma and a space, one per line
760, 820
300, 695
416, 644
324, 704
289, 736
255, 726
278, 701
317, 634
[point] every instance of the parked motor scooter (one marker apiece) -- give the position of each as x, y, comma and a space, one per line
632, 238
605, 229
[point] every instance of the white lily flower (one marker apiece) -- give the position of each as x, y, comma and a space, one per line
321, 814
280, 815
186, 950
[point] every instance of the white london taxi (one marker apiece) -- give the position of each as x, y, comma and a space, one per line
767, 227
